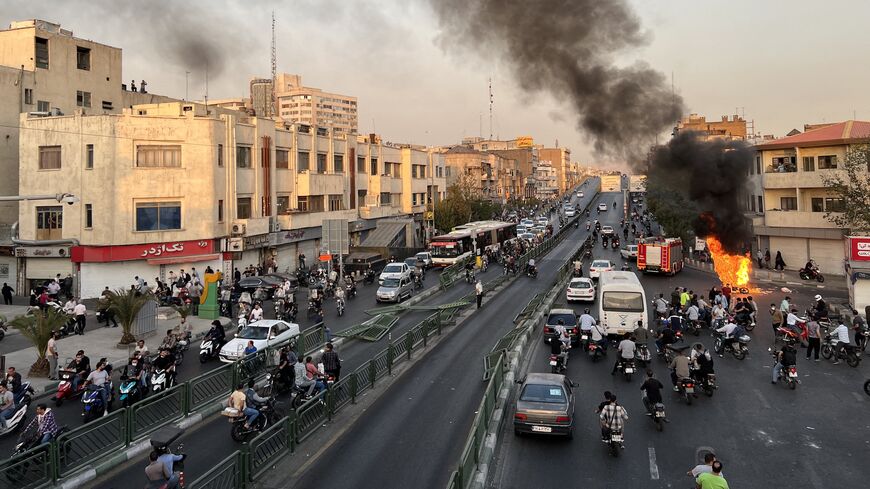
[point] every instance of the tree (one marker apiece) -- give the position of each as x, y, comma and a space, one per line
463, 204
38, 328
672, 209
852, 185
126, 304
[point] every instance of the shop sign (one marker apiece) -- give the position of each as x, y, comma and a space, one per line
258, 241
42, 251
859, 247
295, 235
98, 254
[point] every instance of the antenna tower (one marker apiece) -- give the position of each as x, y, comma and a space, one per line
490, 108
274, 106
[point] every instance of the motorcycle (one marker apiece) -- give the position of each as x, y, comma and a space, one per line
595, 350
738, 346
64, 388
787, 373
830, 349
418, 281
161, 380
268, 416
92, 402
707, 383
626, 366
160, 441
604, 241
129, 391
276, 383
350, 290
532, 272
656, 413
576, 224
811, 274
19, 417
339, 305
614, 442
469, 276
686, 390
558, 364
588, 226
642, 355
208, 349
786, 333
614, 244
369, 277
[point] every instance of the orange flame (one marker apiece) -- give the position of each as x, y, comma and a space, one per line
731, 269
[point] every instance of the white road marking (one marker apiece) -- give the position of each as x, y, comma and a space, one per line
859, 397
762, 399
653, 468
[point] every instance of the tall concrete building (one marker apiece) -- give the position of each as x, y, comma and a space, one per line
726, 128
313, 106
45, 70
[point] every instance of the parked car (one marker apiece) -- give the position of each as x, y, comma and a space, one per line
395, 270
567, 317
294, 282
629, 252
425, 257
545, 405
581, 289
263, 333
394, 290
266, 282
599, 266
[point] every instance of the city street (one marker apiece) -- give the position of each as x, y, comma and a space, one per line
210, 442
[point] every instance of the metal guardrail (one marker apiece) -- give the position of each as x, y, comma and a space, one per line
31, 469
77, 447
230, 472
372, 329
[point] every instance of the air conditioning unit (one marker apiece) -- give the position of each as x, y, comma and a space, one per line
238, 228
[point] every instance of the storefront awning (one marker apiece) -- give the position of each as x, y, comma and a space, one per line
172, 260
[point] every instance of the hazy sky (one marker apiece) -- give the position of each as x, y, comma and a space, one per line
783, 62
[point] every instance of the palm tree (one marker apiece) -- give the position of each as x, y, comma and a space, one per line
183, 311
126, 304
37, 328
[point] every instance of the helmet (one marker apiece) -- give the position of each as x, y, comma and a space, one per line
818, 297
586, 310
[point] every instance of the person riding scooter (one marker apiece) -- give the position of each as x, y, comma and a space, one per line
217, 334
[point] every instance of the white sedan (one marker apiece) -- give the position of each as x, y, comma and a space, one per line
602, 207
395, 270
606, 229
581, 289
580, 195
263, 333
599, 266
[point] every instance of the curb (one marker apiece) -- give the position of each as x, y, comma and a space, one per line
708, 267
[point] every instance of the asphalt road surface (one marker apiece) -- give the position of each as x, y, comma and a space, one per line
210, 442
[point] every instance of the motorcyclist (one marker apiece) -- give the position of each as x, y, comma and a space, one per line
665, 337
339, 295
81, 364
160, 471
841, 333
679, 369
99, 377
136, 369
588, 224
640, 334
530, 268
728, 330
302, 379
626, 349
586, 322
811, 268
702, 361
216, 333
557, 347
469, 269
165, 361
169, 341
286, 363
661, 306
252, 399
675, 321
820, 308
785, 357
45, 424
652, 391
612, 418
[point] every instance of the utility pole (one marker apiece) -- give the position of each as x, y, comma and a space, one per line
186, 86
274, 111
490, 108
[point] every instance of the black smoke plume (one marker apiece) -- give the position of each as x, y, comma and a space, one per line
695, 179
567, 48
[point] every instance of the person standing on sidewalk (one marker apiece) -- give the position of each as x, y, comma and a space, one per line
79, 311
52, 354
478, 290
7, 294
195, 291
331, 362
813, 339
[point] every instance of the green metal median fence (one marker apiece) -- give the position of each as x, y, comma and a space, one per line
28, 470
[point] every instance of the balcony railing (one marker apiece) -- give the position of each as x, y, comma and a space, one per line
784, 168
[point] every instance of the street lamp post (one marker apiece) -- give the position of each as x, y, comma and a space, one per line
65, 198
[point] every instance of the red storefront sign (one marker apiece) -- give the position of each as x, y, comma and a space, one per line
151, 251
859, 248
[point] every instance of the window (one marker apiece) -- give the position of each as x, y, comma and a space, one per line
413, 171
283, 204
89, 156
43, 106
414, 199
243, 156
220, 209
83, 58
220, 155
158, 156
336, 202
833, 204
374, 167
361, 164
385, 198
788, 203
361, 197
49, 157
809, 163
311, 203
243, 208
752, 203
760, 204
28, 96
282, 158
41, 53
827, 162
783, 164
83, 99
49, 222
758, 165
89, 216
107, 105
321, 162
622, 301
302, 163
158, 216
817, 204
338, 163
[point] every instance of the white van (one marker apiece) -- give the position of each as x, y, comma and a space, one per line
621, 302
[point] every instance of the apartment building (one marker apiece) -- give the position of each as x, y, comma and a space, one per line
177, 185
313, 106
794, 199
46, 69
490, 175
733, 127
543, 181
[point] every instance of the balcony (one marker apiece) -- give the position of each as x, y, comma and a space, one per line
308, 183
800, 179
299, 220
796, 219
376, 212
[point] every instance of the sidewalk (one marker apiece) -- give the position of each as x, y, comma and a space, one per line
787, 278
99, 341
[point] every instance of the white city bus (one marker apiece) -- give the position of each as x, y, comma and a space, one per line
459, 243
621, 302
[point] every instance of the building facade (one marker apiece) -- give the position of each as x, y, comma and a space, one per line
794, 200
178, 185
726, 128
313, 106
488, 174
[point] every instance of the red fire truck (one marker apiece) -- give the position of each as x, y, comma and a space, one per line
660, 255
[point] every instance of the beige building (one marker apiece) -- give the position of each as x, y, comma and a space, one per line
313, 106
726, 128
177, 185
45, 69
489, 174
794, 200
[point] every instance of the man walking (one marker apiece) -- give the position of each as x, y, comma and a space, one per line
814, 341
52, 354
79, 311
7, 294
478, 290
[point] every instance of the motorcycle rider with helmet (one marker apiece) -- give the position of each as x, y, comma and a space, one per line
820, 308
217, 334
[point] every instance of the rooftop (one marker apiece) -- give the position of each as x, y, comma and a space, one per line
840, 133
